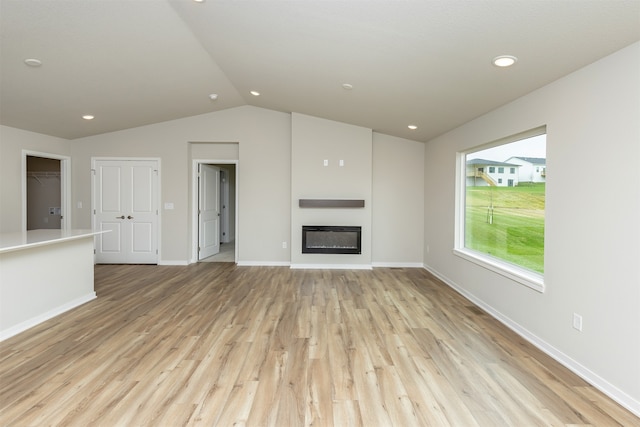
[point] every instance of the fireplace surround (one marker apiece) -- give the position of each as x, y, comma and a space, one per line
326, 239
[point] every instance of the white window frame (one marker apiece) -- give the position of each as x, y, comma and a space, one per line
523, 276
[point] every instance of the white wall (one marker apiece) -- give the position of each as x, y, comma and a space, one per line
592, 256
12, 142
397, 201
261, 141
264, 138
313, 141
38, 283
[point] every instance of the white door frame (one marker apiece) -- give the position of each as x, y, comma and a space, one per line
158, 194
224, 204
65, 186
194, 203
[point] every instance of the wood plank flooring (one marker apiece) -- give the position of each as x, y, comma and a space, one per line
219, 345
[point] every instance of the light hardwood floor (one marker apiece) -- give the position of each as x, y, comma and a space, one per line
217, 344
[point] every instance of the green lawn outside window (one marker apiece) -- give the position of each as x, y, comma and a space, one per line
507, 223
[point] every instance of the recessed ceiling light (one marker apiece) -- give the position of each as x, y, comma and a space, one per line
255, 93
347, 86
504, 60
31, 62
213, 96
412, 127
88, 117
199, 1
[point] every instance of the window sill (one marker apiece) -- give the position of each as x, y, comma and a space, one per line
525, 277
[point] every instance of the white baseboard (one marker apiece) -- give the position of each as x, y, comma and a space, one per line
173, 262
574, 366
263, 263
397, 265
30, 323
332, 266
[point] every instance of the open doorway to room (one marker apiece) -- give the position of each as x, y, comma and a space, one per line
215, 211
45, 191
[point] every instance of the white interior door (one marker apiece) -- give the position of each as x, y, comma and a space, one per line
208, 211
125, 204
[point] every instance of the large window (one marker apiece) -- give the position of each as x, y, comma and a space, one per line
500, 223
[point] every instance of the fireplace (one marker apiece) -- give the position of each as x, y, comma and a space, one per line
324, 239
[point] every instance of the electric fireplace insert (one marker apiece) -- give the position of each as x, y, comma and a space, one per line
325, 239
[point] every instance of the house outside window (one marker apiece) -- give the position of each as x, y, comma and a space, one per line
500, 225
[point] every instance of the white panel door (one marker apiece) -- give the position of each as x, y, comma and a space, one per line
125, 203
209, 211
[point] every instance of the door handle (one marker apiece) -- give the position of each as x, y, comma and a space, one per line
129, 217
120, 217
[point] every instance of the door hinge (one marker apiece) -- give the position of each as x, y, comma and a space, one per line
94, 211
198, 248
156, 252
94, 251
93, 171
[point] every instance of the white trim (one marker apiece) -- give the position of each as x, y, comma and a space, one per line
523, 276
172, 262
397, 265
332, 266
194, 204
23, 326
263, 263
574, 366
65, 185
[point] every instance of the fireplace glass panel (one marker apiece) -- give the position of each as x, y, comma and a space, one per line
331, 240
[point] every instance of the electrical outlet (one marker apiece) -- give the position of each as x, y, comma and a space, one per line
284, 245
577, 322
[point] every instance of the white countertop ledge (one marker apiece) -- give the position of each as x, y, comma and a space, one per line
10, 242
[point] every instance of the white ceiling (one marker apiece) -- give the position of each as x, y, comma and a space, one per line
428, 63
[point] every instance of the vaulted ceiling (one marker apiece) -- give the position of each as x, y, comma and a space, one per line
424, 63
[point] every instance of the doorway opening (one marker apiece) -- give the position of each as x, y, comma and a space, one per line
45, 191
215, 212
